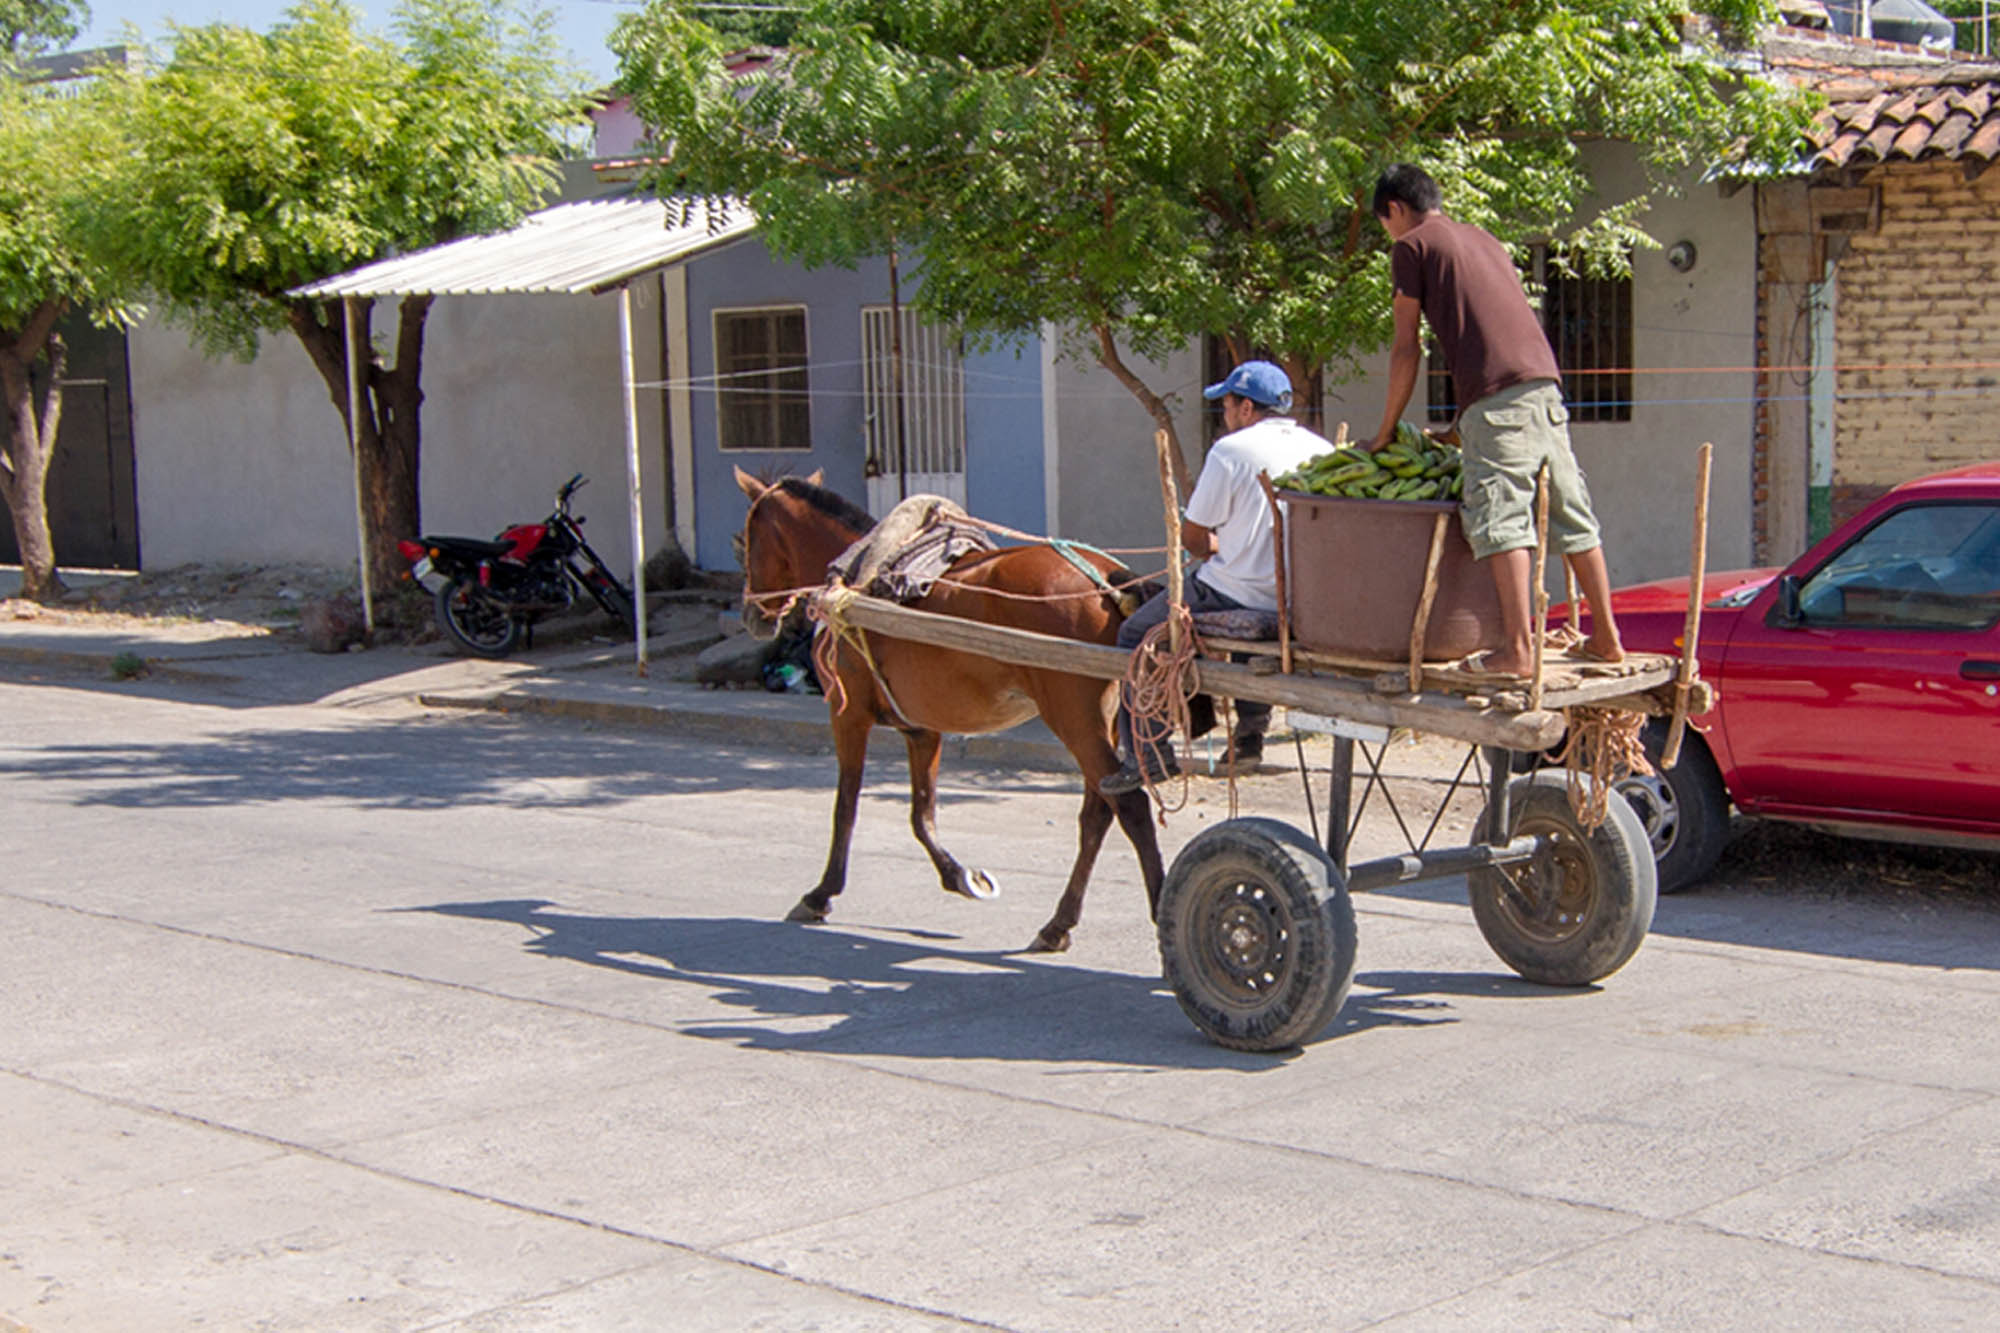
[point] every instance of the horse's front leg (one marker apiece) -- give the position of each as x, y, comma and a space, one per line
924, 748
850, 743
1074, 710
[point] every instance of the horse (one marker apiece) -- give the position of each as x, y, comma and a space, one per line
795, 527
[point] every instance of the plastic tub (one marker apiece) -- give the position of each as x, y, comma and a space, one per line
1356, 572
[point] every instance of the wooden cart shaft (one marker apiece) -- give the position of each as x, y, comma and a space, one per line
1346, 697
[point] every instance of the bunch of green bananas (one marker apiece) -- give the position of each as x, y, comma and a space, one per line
1413, 466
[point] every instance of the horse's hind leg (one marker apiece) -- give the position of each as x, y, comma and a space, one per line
850, 743
924, 748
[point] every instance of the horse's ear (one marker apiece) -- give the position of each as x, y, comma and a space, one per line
818, 477
749, 485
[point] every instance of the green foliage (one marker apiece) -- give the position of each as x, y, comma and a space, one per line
129, 666
1966, 16
1168, 168
51, 149
31, 27
267, 160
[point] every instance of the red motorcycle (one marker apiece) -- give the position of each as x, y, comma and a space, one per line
491, 593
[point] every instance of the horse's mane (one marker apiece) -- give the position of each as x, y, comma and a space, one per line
837, 507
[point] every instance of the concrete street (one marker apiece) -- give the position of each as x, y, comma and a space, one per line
325, 1009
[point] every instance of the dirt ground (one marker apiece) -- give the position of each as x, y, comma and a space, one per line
237, 599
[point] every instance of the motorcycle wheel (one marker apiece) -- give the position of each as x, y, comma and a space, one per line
475, 621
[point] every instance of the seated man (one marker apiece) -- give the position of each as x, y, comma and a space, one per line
1228, 521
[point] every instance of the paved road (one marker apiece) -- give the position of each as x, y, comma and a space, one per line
354, 1016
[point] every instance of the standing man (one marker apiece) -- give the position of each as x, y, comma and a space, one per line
1228, 522
1511, 417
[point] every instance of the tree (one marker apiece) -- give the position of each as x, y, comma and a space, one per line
1145, 172
266, 161
30, 27
51, 148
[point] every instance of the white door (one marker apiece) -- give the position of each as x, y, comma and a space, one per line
931, 459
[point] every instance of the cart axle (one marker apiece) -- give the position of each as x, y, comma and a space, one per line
1415, 866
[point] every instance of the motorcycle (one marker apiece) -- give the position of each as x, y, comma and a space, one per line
489, 594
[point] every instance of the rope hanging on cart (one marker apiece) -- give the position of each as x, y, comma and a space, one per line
1158, 684
1606, 744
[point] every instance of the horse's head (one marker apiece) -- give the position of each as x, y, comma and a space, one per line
786, 542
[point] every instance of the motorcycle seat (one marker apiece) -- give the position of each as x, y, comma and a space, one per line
470, 546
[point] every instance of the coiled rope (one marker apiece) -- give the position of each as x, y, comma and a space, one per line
1607, 744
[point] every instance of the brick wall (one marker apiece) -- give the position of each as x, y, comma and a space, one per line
1918, 332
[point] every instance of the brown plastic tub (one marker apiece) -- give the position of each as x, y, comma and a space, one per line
1356, 572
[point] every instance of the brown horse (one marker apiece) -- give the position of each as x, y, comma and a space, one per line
794, 529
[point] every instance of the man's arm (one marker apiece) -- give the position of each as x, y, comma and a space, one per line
1406, 357
1198, 540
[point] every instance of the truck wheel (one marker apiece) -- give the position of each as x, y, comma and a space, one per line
1256, 935
1579, 909
1684, 811
475, 621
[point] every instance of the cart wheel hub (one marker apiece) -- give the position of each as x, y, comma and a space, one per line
1249, 936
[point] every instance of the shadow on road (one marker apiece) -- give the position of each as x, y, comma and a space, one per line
911, 994
438, 763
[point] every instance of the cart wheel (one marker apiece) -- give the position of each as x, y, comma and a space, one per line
1256, 935
1579, 910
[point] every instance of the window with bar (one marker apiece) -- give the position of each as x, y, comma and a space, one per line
933, 373
1589, 325
762, 399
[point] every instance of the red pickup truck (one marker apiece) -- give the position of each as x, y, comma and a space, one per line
1859, 686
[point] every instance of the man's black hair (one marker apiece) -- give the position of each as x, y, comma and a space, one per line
1409, 184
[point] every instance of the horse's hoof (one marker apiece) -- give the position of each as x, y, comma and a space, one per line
807, 914
975, 884
1048, 943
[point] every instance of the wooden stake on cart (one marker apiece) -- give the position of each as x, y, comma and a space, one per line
1541, 592
1170, 496
1279, 560
1670, 753
1423, 620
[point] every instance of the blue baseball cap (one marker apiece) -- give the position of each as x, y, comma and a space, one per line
1259, 381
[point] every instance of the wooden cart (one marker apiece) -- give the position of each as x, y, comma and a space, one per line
1256, 927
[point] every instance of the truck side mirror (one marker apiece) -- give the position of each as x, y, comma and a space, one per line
1789, 615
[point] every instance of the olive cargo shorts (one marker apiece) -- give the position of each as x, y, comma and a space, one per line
1507, 436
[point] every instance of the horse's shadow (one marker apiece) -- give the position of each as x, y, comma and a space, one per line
911, 994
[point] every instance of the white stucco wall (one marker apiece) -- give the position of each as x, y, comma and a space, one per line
248, 464
1108, 490
1641, 472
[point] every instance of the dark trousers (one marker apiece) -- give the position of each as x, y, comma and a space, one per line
1252, 719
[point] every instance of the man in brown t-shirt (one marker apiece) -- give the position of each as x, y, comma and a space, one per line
1511, 419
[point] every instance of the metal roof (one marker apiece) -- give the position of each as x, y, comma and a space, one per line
591, 246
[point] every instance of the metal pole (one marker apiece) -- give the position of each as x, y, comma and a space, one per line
636, 496
1868, 18
352, 312
896, 378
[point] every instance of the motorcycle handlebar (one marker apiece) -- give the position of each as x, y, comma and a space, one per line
569, 488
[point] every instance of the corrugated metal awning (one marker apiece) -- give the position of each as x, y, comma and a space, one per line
591, 246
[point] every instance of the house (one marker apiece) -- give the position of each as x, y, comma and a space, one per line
1878, 284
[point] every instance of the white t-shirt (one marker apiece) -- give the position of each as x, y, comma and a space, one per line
1228, 501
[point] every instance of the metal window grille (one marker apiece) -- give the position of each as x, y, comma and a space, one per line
1589, 326
933, 396
762, 397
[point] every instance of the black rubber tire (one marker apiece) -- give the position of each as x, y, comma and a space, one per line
1256, 935
474, 623
1684, 812
1604, 888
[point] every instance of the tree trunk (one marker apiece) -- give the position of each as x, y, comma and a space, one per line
389, 433
1156, 407
28, 446
1308, 393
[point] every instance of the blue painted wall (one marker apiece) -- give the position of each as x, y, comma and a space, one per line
1003, 397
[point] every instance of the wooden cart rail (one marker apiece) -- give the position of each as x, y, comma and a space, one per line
1355, 699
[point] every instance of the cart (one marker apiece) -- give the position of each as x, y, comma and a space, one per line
1256, 926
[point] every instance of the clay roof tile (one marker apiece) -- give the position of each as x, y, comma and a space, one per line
1914, 139
1986, 143
1879, 140
1936, 108
1904, 105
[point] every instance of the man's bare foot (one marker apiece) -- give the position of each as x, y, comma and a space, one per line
1494, 662
1600, 649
